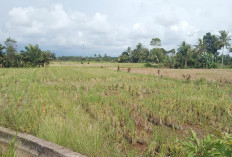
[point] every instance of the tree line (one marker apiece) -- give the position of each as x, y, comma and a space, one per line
96, 58
32, 56
202, 55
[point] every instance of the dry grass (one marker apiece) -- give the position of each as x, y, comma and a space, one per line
215, 75
98, 64
103, 112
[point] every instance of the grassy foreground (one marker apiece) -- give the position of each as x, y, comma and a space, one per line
101, 112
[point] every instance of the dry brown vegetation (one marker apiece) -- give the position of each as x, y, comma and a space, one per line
103, 112
218, 75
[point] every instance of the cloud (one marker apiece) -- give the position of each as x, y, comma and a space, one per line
70, 30
109, 27
55, 26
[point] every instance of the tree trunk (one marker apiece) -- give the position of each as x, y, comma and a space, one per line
222, 57
185, 63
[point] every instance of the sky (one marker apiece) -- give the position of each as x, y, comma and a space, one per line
88, 27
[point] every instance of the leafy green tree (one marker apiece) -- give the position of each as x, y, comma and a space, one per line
172, 52
105, 57
129, 51
170, 61
156, 42
201, 45
143, 56
99, 57
47, 57
135, 55
202, 55
52, 55
124, 57
223, 42
205, 60
12, 57
211, 44
156, 55
185, 51
227, 60
1, 55
32, 56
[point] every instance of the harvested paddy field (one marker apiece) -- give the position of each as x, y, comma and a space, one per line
98, 111
214, 75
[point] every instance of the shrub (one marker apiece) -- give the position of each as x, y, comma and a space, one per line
147, 65
208, 146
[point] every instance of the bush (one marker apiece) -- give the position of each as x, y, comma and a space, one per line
147, 65
170, 62
208, 146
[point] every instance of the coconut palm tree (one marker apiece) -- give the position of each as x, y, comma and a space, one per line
200, 45
223, 42
185, 51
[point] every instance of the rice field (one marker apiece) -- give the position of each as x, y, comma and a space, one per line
212, 75
99, 111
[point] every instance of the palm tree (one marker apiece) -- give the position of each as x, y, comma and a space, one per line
224, 40
32, 56
200, 45
135, 55
185, 51
129, 51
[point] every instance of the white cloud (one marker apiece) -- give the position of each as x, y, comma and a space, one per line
109, 27
60, 19
58, 27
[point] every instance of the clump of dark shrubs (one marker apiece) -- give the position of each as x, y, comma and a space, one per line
147, 65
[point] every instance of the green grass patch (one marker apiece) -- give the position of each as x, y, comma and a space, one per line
101, 112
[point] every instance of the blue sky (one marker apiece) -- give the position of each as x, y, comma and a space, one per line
107, 26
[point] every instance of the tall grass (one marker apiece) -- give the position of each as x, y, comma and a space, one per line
101, 112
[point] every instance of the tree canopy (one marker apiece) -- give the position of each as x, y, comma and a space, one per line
156, 42
33, 56
204, 54
223, 42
